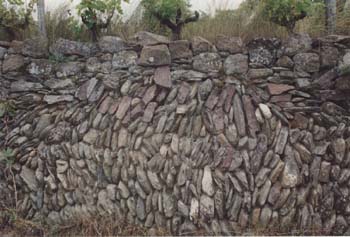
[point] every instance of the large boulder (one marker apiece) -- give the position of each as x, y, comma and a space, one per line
297, 43
111, 44
232, 45
207, 62
307, 62
201, 45
157, 55
263, 52
35, 48
236, 64
144, 38
63, 47
13, 63
40, 67
124, 59
180, 49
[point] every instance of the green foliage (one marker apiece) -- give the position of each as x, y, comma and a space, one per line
287, 12
166, 9
7, 156
97, 14
15, 16
7, 108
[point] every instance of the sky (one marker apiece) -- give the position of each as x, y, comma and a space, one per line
203, 5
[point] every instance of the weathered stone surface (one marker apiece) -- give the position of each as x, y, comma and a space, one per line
162, 77
22, 86
124, 59
207, 62
308, 62
236, 64
290, 173
329, 57
13, 62
158, 55
232, 45
281, 140
207, 208
3, 51
239, 115
53, 99
297, 43
259, 73
145, 38
180, 49
35, 48
207, 182
277, 89
68, 47
201, 45
263, 52
111, 44
29, 178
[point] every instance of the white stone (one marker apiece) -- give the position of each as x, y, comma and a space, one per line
207, 182
265, 110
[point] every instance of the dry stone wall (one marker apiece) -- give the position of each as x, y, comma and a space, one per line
181, 135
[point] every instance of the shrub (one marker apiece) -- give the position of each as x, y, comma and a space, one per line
287, 12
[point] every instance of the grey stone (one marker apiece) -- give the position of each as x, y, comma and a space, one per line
281, 140
55, 84
236, 64
263, 52
207, 62
35, 47
153, 178
239, 115
13, 63
259, 73
91, 136
162, 77
308, 62
124, 59
145, 38
180, 49
25, 86
68, 48
207, 182
3, 51
201, 45
297, 43
29, 178
54, 99
111, 44
290, 173
169, 204
207, 208
158, 55
232, 45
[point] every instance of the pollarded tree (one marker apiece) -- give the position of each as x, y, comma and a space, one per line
97, 14
287, 12
15, 16
331, 14
41, 18
174, 14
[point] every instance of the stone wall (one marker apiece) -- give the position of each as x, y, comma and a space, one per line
181, 134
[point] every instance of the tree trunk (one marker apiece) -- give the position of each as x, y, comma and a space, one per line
347, 4
176, 33
41, 18
331, 13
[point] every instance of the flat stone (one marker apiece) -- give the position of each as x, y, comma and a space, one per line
207, 182
111, 44
54, 99
149, 112
162, 77
285, 61
297, 43
91, 136
263, 52
232, 45
124, 59
308, 62
56, 84
149, 94
207, 62
180, 49
123, 189
236, 64
29, 178
281, 140
68, 48
145, 38
13, 63
123, 107
169, 205
339, 148
158, 55
239, 115
259, 73
265, 110
290, 173
201, 45
3, 51
252, 122
207, 208
277, 89
25, 86
153, 178
183, 93
35, 47
194, 210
